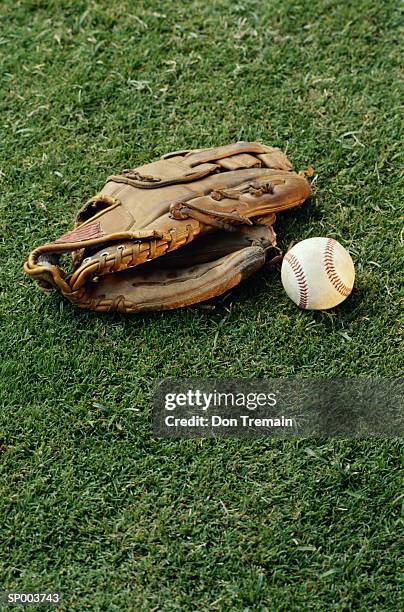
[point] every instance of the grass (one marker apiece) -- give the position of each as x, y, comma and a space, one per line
91, 504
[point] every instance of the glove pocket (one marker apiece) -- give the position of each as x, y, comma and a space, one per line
151, 288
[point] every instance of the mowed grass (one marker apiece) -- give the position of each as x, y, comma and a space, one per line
90, 503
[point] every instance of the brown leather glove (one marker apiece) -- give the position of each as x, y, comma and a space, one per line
216, 205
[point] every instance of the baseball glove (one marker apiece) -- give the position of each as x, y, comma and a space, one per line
175, 232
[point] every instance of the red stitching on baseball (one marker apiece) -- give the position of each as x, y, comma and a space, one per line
300, 278
331, 271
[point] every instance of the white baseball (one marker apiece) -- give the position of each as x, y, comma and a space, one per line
318, 273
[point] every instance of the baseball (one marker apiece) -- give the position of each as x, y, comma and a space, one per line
318, 273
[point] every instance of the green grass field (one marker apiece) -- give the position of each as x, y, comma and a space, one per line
90, 503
